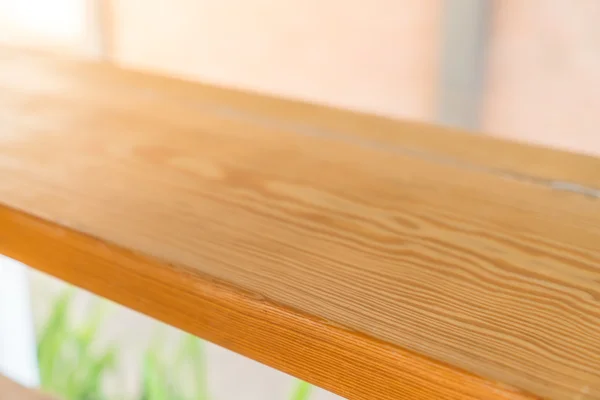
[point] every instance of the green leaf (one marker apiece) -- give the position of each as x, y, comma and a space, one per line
155, 385
90, 387
69, 366
80, 380
52, 340
191, 354
302, 391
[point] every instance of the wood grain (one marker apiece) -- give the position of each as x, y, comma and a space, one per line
10, 390
412, 138
366, 269
345, 362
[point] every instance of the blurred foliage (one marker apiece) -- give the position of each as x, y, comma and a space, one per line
302, 391
74, 368
69, 365
158, 377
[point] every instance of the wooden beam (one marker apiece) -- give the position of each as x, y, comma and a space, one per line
10, 390
337, 247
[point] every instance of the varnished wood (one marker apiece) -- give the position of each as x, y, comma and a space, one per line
374, 265
10, 390
346, 362
411, 138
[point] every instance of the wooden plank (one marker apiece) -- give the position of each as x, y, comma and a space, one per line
342, 361
412, 138
10, 390
359, 267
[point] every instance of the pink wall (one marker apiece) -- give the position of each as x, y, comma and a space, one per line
544, 76
379, 56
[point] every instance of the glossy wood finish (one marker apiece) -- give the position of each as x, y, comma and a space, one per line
377, 259
319, 351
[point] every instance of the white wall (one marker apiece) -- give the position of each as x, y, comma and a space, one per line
64, 26
17, 338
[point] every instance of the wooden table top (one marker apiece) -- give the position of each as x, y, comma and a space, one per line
375, 258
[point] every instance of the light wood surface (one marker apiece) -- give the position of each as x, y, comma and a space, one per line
10, 390
365, 260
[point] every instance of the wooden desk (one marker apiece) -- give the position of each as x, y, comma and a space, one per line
377, 259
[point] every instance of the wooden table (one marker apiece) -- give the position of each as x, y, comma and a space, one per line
375, 258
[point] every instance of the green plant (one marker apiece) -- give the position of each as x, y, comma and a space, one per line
72, 367
69, 365
301, 391
186, 379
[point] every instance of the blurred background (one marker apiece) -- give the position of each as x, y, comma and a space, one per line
522, 70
